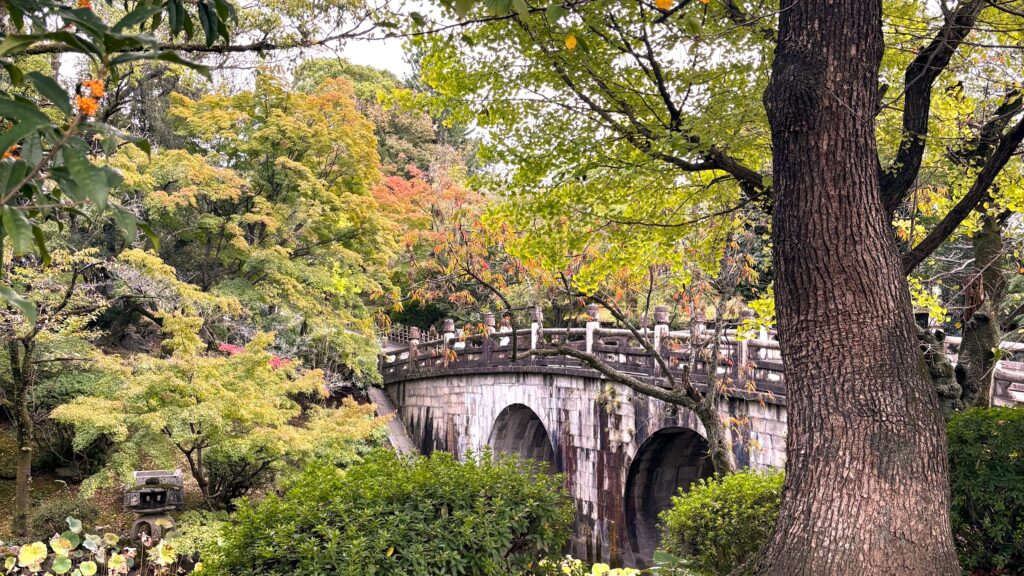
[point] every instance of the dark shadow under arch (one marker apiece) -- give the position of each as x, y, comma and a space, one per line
518, 430
672, 458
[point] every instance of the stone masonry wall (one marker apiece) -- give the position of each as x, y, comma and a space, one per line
597, 430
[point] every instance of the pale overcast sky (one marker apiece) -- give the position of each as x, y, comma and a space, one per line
386, 54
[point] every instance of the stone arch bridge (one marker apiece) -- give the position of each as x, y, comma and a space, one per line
623, 454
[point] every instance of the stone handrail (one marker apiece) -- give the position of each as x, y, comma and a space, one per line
749, 367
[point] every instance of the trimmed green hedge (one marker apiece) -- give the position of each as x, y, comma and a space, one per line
986, 461
392, 516
722, 522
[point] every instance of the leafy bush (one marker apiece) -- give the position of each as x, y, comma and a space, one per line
197, 530
720, 523
50, 516
986, 460
389, 515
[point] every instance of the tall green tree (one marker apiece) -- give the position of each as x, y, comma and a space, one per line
272, 205
645, 124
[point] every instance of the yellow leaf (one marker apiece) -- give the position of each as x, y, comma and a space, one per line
391, 550
570, 41
664, 4
31, 554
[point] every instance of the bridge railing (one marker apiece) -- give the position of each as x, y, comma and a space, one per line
746, 365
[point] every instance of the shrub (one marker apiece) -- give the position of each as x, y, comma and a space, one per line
197, 530
50, 516
721, 523
986, 461
390, 516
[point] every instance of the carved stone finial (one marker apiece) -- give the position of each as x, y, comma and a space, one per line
449, 325
414, 333
538, 314
489, 319
661, 314
592, 312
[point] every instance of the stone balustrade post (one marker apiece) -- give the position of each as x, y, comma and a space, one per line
489, 323
535, 327
449, 331
593, 324
742, 350
414, 344
660, 325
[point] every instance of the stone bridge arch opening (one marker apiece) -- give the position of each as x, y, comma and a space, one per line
518, 430
672, 458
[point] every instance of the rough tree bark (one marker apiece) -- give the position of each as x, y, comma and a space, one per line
976, 362
865, 490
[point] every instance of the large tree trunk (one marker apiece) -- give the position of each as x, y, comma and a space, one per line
984, 290
866, 490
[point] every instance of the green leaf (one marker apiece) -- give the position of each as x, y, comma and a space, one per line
15, 135
207, 19
15, 73
21, 112
51, 90
662, 557
61, 565
37, 234
554, 13
137, 17
74, 524
72, 536
175, 58
175, 15
18, 227
462, 7
144, 145
90, 180
76, 43
691, 24
32, 149
27, 307
125, 221
148, 231
86, 21
88, 568
16, 43
498, 7
522, 8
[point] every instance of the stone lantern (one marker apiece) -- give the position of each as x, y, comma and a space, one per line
154, 495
